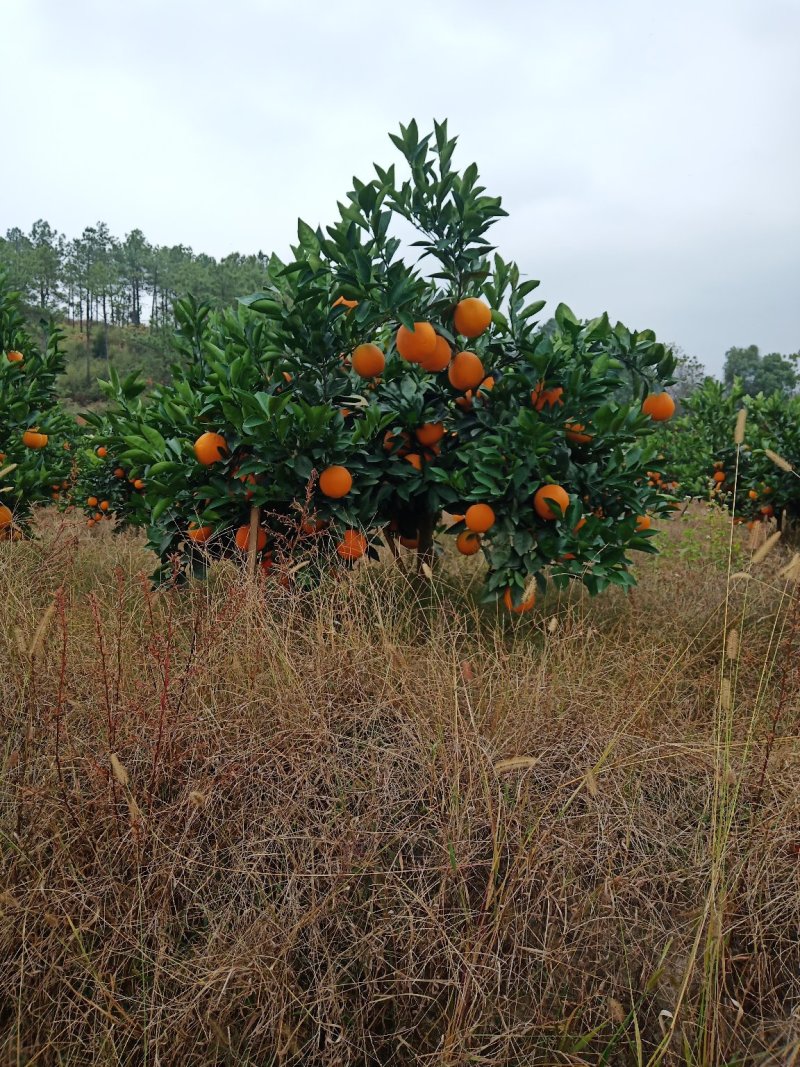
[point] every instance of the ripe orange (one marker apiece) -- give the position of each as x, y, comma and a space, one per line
465, 402
555, 493
210, 448
415, 459
336, 482
390, 442
439, 358
15, 357
33, 439
92, 501
352, 546
98, 515
409, 542
243, 538
342, 301
753, 494
472, 316
104, 505
466, 371
520, 609
199, 534
541, 396
102, 452
368, 361
768, 510
430, 433
659, 406
574, 433
468, 543
138, 484
6, 517
119, 473
417, 344
719, 476
479, 518
643, 522
579, 524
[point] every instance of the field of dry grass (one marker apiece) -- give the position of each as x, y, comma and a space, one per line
378, 825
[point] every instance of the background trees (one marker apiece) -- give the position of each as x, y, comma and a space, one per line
98, 278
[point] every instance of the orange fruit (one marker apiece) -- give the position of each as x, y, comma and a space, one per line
643, 522
550, 397
243, 538
555, 493
138, 484
579, 524
409, 542
468, 543
466, 371
659, 406
415, 459
199, 534
390, 442
479, 518
104, 505
472, 316
574, 433
102, 451
439, 358
520, 609
352, 546
6, 517
119, 473
487, 384
465, 402
342, 301
15, 357
368, 361
33, 439
753, 494
92, 501
336, 482
210, 448
98, 515
719, 476
769, 510
417, 344
430, 433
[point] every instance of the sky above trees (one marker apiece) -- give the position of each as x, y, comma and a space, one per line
647, 153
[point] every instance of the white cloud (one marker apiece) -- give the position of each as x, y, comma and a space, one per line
647, 153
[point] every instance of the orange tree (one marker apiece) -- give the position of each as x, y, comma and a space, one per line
699, 449
35, 462
372, 386
102, 488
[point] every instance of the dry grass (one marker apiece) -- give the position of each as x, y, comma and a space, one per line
371, 826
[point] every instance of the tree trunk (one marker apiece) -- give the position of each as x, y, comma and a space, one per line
427, 525
105, 328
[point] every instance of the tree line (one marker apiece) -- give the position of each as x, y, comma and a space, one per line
99, 278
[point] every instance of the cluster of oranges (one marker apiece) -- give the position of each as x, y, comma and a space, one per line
466, 374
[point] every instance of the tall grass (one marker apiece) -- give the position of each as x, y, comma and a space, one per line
378, 824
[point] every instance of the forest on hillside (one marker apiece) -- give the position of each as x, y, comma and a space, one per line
98, 278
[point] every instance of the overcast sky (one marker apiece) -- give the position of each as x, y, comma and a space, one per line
648, 153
